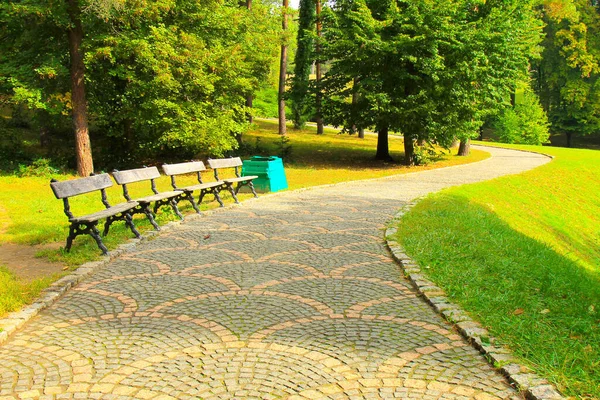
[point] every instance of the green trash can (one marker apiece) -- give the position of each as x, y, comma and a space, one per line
271, 176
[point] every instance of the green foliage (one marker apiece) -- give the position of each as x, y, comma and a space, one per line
454, 63
284, 148
525, 123
567, 75
164, 79
302, 102
15, 293
40, 168
524, 242
265, 103
425, 155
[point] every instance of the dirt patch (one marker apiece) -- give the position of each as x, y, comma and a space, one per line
21, 260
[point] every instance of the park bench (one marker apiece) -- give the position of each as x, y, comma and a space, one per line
196, 167
159, 199
87, 224
233, 162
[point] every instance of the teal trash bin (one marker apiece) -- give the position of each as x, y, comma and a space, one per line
270, 172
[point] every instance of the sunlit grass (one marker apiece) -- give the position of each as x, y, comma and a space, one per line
15, 293
528, 242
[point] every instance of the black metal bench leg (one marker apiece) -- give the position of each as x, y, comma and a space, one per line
72, 235
129, 223
107, 225
150, 216
252, 188
232, 191
190, 198
175, 208
95, 233
218, 197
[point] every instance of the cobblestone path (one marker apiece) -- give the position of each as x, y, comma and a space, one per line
289, 296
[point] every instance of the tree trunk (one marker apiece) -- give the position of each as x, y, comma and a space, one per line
383, 150
569, 139
249, 100
43, 121
250, 96
409, 150
83, 147
282, 72
465, 147
319, 95
355, 97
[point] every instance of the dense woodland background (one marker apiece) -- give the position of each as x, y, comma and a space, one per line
154, 81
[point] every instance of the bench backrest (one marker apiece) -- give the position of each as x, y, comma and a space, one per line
225, 162
135, 175
184, 168
79, 186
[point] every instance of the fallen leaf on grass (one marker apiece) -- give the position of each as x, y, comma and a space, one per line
544, 311
206, 237
518, 311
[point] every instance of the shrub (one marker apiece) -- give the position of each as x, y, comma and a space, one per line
40, 167
525, 123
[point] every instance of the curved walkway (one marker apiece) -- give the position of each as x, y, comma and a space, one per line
289, 296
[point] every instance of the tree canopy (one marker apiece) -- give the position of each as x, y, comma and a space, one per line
163, 77
430, 70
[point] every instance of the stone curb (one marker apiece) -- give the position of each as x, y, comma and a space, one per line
533, 387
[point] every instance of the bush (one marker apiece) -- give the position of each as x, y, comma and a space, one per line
525, 123
40, 168
425, 155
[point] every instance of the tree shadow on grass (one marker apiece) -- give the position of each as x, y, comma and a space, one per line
493, 270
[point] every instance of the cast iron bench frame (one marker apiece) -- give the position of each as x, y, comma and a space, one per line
196, 167
87, 224
159, 199
233, 162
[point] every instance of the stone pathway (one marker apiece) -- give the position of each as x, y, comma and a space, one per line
289, 296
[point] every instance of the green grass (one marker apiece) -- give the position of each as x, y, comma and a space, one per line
16, 293
529, 242
29, 213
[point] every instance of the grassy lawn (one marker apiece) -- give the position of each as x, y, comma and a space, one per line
15, 293
315, 160
522, 255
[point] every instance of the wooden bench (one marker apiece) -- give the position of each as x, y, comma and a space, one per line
196, 167
159, 199
87, 224
239, 181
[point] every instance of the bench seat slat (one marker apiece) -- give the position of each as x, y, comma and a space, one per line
184, 168
158, 197
240, 179
136, 175
109, 212
201, 186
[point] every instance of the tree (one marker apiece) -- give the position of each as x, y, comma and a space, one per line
46, 42
283, 70
566, 77
525, 122
299, 93
453, 62
166, 79
319, 71
83, 147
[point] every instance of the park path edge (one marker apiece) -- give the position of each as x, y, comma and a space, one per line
531, 385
